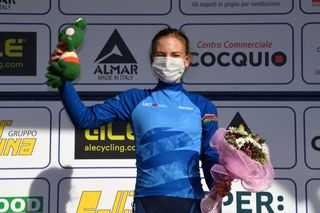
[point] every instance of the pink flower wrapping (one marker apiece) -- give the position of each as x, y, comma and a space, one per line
236, 164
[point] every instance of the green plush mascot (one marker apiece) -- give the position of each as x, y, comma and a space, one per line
67, 67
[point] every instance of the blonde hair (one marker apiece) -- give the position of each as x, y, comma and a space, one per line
179, 34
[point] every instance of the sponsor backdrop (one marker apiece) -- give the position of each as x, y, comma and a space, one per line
257, 60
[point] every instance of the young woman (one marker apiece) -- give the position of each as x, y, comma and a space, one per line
171, 136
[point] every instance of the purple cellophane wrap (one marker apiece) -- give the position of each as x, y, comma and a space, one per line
235, 164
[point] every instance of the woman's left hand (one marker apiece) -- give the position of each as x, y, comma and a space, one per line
222, 188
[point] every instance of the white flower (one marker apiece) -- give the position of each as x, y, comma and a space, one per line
240, 142
255, 143
265, 150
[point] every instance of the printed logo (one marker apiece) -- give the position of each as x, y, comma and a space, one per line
231, 7
90, 200
18, 53
237, 59
21, 204
312, 137
6, 4
16, 142
237, 121
261, 201
113, 141
315, 3
315, 143
280, 198
147, 104
115, 61
232, 59
185, 108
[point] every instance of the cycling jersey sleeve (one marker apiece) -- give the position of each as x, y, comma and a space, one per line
209, 156
85, 117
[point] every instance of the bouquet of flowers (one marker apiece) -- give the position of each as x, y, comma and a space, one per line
243, 156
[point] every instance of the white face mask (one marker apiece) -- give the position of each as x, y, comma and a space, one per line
168, 69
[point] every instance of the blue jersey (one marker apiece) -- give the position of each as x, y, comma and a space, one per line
172, 130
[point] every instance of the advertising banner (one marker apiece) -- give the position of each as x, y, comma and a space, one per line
27, 195
23, 61
312, 195
118, 56
109, 146
25, 142
19, 7
107, 194
312, 137
310, 6
115, 194
259, 54
281, 197
115, 7
211, 7
311, 53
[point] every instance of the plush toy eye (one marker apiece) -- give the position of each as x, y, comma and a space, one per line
69, 31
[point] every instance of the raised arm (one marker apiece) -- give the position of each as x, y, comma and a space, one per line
115, 108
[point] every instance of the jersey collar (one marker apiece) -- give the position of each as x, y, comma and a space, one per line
169, 86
